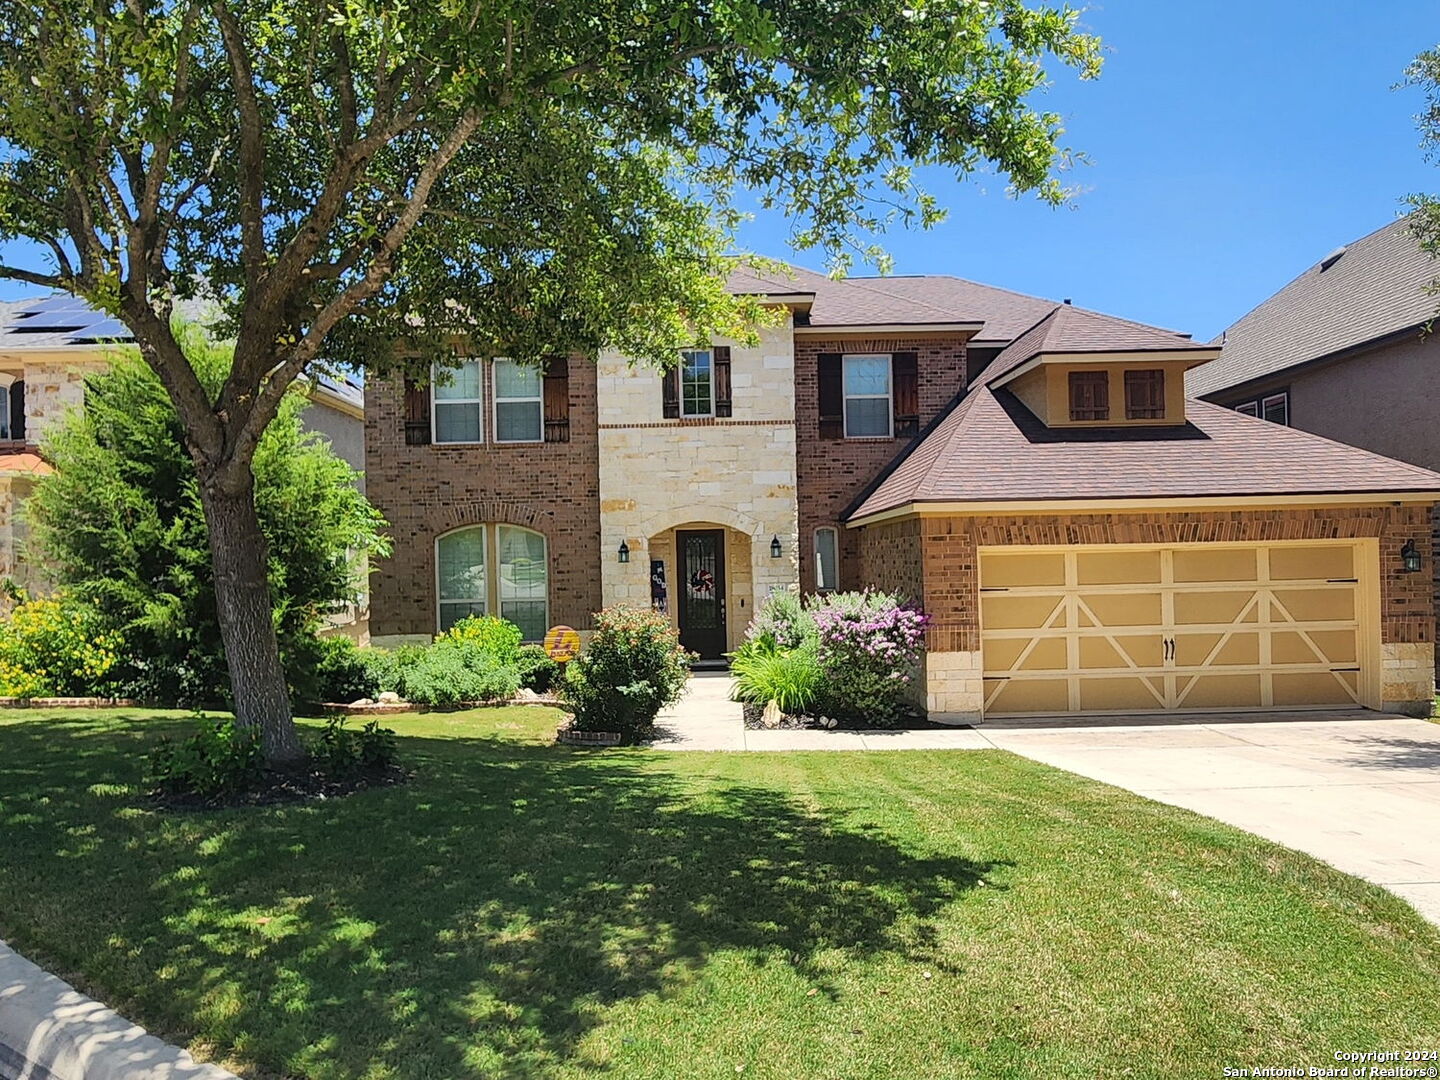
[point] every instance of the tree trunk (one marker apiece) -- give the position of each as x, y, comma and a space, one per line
242, 597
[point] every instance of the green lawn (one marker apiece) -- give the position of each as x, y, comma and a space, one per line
526, 911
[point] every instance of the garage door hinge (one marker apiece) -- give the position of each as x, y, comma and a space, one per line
1344, 669
1341, 581
993, 588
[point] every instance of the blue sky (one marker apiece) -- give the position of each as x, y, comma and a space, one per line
1232, 145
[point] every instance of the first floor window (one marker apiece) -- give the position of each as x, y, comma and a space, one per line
826, 557
5, 432
868, 411
514, 584
461, 570
697, 390
519, 414
457, 403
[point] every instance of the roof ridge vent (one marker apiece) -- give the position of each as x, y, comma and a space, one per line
1331, 259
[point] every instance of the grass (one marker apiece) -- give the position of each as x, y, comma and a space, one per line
522, 910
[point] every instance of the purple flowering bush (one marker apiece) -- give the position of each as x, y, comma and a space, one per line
869, 652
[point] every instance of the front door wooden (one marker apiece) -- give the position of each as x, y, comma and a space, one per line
702, 591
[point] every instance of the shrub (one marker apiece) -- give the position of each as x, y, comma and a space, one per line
536, 670
633, 667
784, 621
341, 671
340, 752
488, 633
789, 677
57, 647
452, 671
868, 651
216, 759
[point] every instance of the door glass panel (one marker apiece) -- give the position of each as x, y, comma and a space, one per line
1216, 607
1123, 609
702, 599
1314, 605
1013, 571
1214, 564
1117, 568
1314, 563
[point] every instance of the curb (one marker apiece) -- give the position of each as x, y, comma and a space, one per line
51, 1031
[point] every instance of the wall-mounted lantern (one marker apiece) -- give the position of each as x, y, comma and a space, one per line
774, 547
1410, 557
624, 551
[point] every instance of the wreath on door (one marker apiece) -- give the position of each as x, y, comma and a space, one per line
702, 582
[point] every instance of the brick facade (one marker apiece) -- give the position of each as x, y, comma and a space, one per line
830, 473
425, 491
946, 551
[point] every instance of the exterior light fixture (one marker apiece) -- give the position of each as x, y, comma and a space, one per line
774, 547
624, 551
1410, 557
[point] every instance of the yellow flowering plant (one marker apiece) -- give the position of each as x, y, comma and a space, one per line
56, 647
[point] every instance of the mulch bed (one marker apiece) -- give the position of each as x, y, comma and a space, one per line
288, 786
909, 722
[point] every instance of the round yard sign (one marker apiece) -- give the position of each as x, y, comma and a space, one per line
562, 643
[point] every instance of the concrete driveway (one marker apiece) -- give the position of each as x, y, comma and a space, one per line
1361, 791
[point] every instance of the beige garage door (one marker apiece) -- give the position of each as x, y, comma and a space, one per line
1203, 627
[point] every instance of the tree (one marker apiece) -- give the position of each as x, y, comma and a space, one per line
120, 523
369, 182
1424, 72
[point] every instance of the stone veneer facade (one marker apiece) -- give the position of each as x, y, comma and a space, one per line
735, 473
939, 555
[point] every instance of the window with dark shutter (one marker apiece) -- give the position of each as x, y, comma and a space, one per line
1089, 395
417, 414
723, 406
905, 372
670, 393
557, 399
1144, 395
17, 410
831, 382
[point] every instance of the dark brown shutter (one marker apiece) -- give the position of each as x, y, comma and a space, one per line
670, 393
1145, 395
557, 399
1089, 395
904, 370
417, 414
722, 380
17, 410
831, 380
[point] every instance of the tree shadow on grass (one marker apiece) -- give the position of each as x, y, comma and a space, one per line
476, 922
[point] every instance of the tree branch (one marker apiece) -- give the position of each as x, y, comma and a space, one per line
30, 277
252, 146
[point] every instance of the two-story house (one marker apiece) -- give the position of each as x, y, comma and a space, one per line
1084, 537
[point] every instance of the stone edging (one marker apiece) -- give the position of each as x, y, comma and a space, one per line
50, 1031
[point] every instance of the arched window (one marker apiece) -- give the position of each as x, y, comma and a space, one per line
515, 584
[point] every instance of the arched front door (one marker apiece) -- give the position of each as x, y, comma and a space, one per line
701, 611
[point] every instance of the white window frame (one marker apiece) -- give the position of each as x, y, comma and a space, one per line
478, 402
484, 599
495, 399
685, 354
1249, 408
491, 603
1283, 397
889, 396
821, 585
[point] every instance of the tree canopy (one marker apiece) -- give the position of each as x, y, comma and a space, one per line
1424, 72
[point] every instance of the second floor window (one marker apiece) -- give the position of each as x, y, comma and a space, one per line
1145, 395
697, 394
457, 405
519, 409
868, 409
1089, 395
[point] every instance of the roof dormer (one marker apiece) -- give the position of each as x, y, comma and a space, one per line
1077, 368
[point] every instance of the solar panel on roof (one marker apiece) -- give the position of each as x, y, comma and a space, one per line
58, 320
56, 303
107, 330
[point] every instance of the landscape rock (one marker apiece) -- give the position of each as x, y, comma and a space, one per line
389, 697
772, 715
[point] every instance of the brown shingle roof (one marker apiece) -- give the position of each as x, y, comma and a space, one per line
1074, 330
991, 449
1375, 289
847, 302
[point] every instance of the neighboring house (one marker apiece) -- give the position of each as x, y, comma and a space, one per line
1344, 351
47, 349
1083, 537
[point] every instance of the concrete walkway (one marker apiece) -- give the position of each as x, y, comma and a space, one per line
1359, 790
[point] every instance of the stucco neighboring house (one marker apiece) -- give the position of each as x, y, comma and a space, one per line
1085, 538
47, 349
1344, 351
